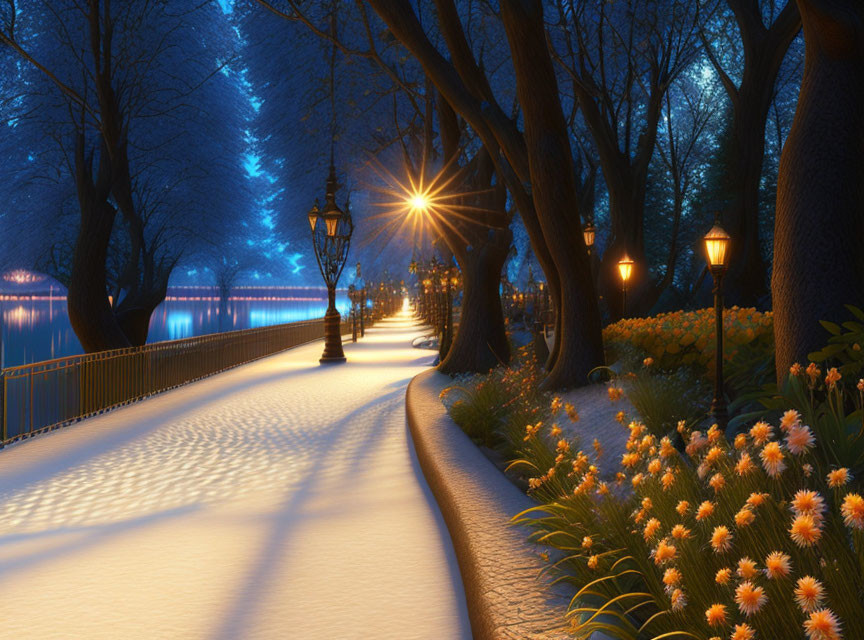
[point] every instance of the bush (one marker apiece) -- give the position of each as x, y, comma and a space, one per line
686, 338
664, 399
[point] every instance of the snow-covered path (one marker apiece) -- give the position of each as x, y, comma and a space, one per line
278, 500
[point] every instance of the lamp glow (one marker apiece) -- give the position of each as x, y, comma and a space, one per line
716, 247
625, 268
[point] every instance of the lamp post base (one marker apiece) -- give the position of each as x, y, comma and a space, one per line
333, 353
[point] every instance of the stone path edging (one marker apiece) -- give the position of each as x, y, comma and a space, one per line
506, 598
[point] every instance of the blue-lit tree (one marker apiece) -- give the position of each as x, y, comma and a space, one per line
127, 109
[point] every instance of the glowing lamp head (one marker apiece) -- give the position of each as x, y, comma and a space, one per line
625, 268
589, 233
418, 203
313, 214
716, 247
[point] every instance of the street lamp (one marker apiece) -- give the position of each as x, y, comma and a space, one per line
716, 250
625, 268
589, 233
331, 241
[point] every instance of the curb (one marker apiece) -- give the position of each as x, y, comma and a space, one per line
499, 568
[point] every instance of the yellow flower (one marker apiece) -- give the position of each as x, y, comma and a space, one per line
839, 477
555, 431
853, 511
799, 439
750, 598
761, 433
744, 517
705, 510
717, 482
822, 625
563, 446
746, 568
809, 594
772, 459
804, 531
682, 507
723, 576
721, 539
743, 632
777, 565
716, 615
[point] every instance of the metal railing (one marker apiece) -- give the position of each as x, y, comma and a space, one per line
45, 395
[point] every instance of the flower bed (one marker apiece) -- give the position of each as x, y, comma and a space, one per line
686, 338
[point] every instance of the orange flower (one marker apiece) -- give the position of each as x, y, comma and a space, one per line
796, 369
678, 599
721, 539
832, 377
750, 598
804, 531
571, 412
799, 439
761, 433
705, 510
743, 632
839, 477
853, 511
756, 499
809, 594
772, 459
717, 482
777, 565
746, 568
680, 532
683, 507
655, 466
668, 479
740, 441
808, 503
664, 552
629, 460
671, 577
593, 561
620, 417
615, 393
822, 625
714, 454
790, 419
723, 576
555, 431
744, 517
716, 615
813, 372
651, 528
587, 542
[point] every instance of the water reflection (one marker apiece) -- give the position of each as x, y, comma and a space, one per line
34, 330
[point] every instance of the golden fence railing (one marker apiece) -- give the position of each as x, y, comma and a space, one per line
45, 395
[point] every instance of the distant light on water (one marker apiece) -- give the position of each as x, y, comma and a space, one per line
179, 324
268, 317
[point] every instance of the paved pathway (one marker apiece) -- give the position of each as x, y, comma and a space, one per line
278, 500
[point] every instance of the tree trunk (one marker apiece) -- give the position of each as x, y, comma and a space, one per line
819, 227
87, 298
554, 192
480, 343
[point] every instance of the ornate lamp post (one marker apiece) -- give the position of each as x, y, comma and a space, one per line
716, 250
589, 233
625, 268
331, 230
